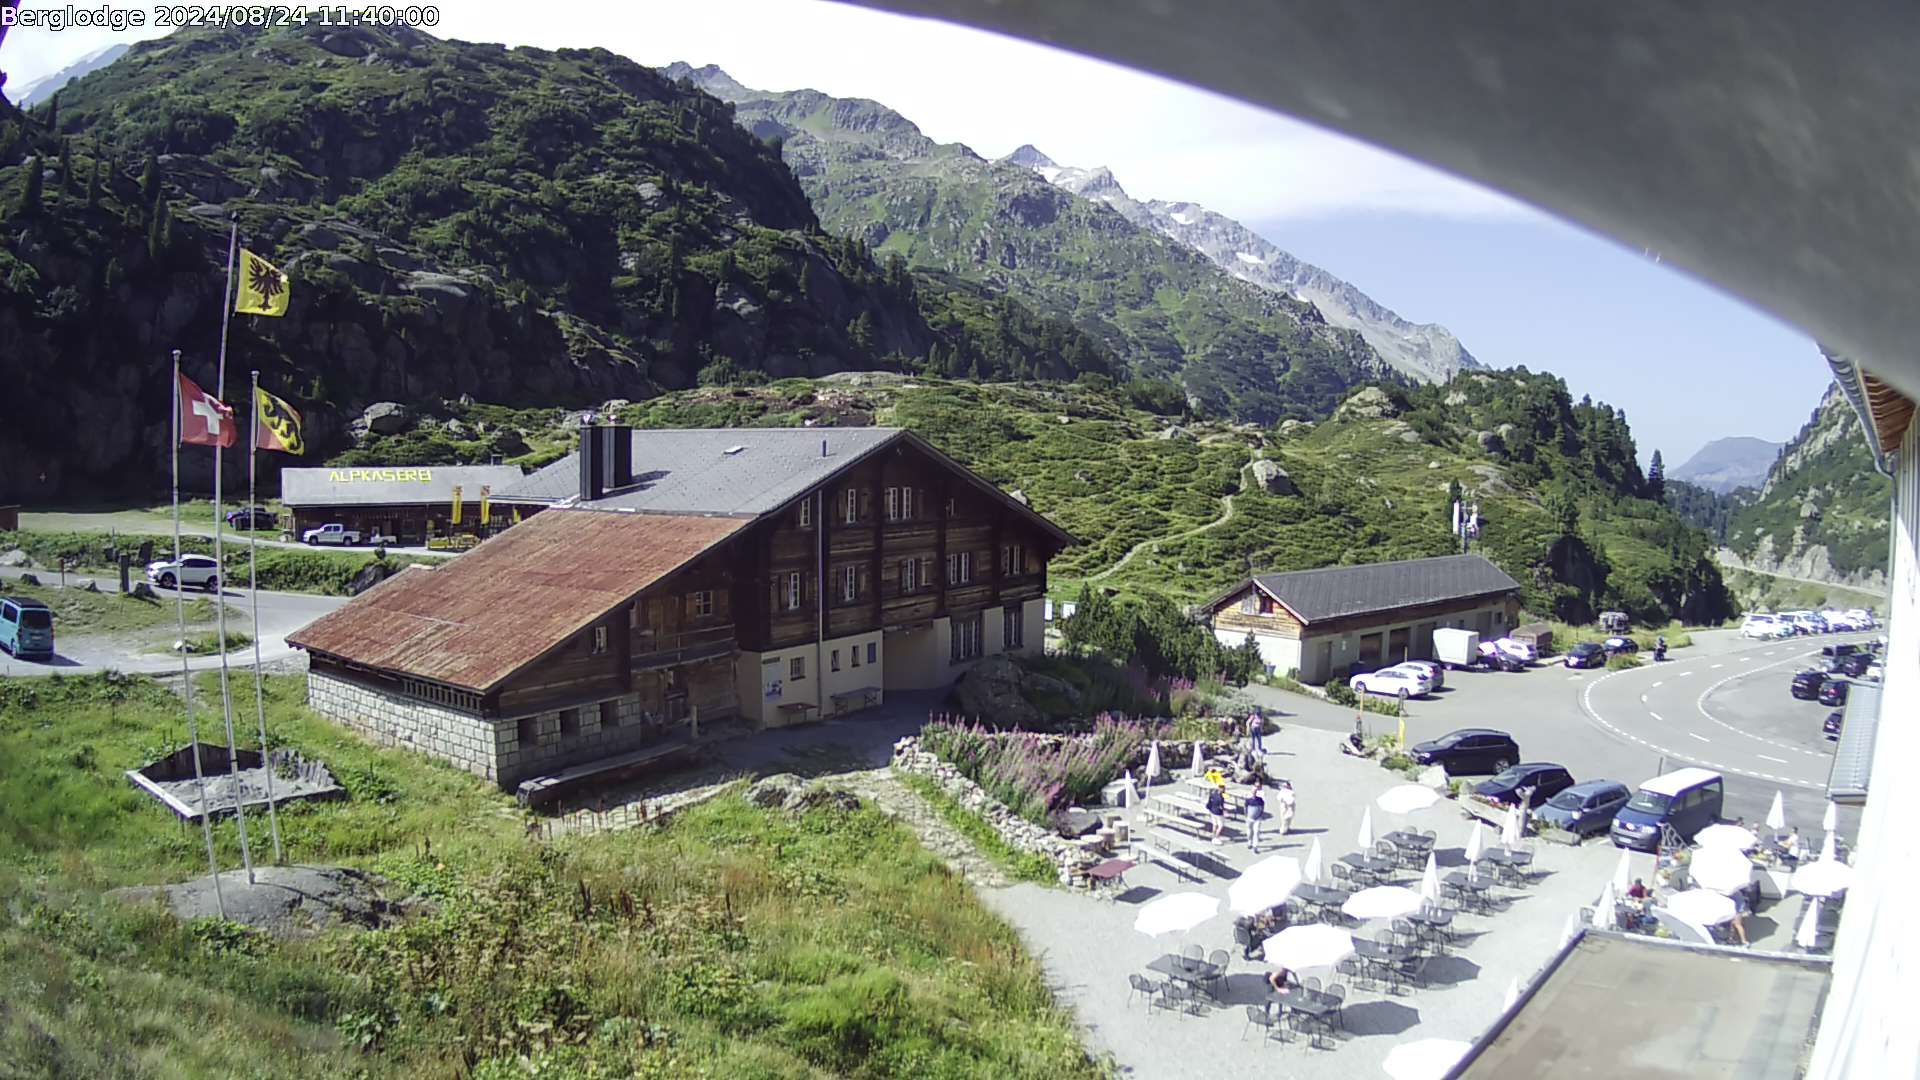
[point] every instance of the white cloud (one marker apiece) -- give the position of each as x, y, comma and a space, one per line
1162, 139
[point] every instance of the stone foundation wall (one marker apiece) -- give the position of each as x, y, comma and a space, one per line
1067, 855
391, 719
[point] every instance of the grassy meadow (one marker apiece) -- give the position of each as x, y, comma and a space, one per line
733, 942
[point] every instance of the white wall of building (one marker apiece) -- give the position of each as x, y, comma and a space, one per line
1867, 1028
1282, 654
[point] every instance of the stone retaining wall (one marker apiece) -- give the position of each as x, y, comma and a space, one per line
1066, 855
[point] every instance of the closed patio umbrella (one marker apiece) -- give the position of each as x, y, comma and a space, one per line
1430, 880
1476, 844
1702, 907
1424, 1059
1196, 757
1830, 847
1727, 836
1831, 819
1406, 799
1721, 869
1777, 813
1623, 874
1809, 932
1382, 902
1308, 946
1511, 831
1263, 885
1513, 995
1366, 830
1823, 877
1572, 929
1153, 762
1313, 870
1175, 913
1603, 908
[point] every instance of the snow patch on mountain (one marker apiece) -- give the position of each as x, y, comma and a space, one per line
1251, 260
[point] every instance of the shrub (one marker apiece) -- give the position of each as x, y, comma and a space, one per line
1382, 705
1340, 693
1033, 776
1622, 662
1024, 865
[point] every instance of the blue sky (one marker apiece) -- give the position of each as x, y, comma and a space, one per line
1687, 363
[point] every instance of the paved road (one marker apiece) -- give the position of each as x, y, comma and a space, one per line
142, 522
281, 614
1610, 733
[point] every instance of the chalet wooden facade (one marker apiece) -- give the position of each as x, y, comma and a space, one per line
697, 575
1337, 620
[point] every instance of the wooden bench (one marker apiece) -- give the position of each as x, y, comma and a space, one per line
846, 701
540, 790
796, 712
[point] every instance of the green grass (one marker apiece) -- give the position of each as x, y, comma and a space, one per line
77, 611
1022, 865
280, 569
208, 644
734, 942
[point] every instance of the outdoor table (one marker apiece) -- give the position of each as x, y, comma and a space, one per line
1509, 861
1373, 864
1403, 838
1477, 889
1186, 803
1184, 969
1110, 876
1317, 1008
1321, 896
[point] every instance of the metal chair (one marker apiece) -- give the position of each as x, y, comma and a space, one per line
1354, 969
1194, 952
1338, 993
1404, 933
1311, 985
1142, 985
1257, 1014
1175, 996
1412, 969
1218, 958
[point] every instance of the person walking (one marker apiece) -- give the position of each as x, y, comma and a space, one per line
1286, 799
1256, 809
1256, 727
1217, 809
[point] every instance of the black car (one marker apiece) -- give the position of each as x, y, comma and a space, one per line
1831, 728
1834, 692
1545, 780
1620, 646
1838, 650
253, 518
1586, 808
1469, 750
1850, 664
1806, 684
1587, 654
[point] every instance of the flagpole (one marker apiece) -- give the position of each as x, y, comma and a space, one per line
253, 583
219, 558
186, 675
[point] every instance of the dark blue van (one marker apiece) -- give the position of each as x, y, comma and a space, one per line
26, 628
1688, 800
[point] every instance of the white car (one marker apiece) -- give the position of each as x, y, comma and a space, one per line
1435, 673
196, 570
1763, 627
1519, 650
1391, 682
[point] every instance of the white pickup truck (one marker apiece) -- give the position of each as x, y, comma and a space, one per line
341, 535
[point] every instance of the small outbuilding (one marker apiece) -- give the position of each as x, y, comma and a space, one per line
1329, 622
411, 502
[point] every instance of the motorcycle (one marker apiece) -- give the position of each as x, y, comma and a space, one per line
1659, 653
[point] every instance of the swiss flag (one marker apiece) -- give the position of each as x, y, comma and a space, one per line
204, 419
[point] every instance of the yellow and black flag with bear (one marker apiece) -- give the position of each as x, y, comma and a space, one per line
263, 287
278, 424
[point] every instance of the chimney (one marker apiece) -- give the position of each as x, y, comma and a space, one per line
618, 462
593, 469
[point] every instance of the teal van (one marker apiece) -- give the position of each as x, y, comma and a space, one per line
1688, 800
26, 628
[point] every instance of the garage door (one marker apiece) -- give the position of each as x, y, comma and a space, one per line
1396, 645
1422, 648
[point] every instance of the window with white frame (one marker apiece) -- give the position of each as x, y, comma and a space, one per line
892, 500
965, 644
793, 591
797, 668
853, 654
873, 652
906, 504
1013, 635
849, 583
925, 562
907, 575
853, 506
599, 640
1013, 560
806, 513
833, 660
959, 568
1249, 604
700, 603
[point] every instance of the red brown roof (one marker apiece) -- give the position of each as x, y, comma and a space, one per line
474, 620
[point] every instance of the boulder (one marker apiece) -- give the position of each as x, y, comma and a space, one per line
1295, 427
1074, 823
1019, 496
776, 790
29, 579
1173, 431
386, 418
16, 557
141, 591
1269, 475
90, 585
1368, 403
799, 802
1456, 398
998, 690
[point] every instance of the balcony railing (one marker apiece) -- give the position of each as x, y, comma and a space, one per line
651, 650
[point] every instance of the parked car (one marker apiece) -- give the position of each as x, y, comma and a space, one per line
26, 628
1436, 673
1587, 654
1543, 778
1519, 650
1586, 808
1831, 726
334, 533
1834, 692
1492, 657
1852, 664
254, 517
1761, 627
196, 570
1469, 750
1392, 682
1687, 800
1620, 646
1806, 684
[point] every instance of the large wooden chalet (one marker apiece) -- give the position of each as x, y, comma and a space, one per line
680, 573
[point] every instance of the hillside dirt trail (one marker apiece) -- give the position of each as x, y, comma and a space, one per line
1226, 514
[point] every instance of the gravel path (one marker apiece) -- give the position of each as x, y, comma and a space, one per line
1226, 515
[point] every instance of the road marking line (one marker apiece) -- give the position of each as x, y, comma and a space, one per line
1684, 674
1656, 716
1717, 667
1659, 682
1643, 699
1764, 757
1586, 704
1702, 738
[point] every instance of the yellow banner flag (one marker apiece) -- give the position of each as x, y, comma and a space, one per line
279, 425
456, 504
486, 504
263, 287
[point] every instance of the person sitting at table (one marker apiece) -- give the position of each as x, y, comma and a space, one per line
1794, 846
1638, 890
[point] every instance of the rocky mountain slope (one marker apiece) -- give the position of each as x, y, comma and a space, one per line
30, 94
1726, 464
523, 226
1821, 514
1427, 352
1238, 350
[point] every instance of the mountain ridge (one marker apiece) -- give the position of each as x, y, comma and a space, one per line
1727, 464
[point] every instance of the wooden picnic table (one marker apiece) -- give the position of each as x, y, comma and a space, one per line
1184, 801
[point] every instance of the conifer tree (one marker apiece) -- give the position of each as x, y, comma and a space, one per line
52, 116
66, 164
150, 183
1657, 478
30, 188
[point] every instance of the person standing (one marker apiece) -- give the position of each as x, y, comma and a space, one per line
1256, 727
1256, 809
1286, 797
1217, 809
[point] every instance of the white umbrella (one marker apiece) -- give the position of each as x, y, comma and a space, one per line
1475, 844
1406, 799
1383, 902
1263, 885
1513, 995
1153, 762
1310, 945
1727, 836
1312, 870
1809, 931
1175, 913
1623, 874
1603, 908
1510, 831
1196, 757
1366, 830
1424, 1059
1777, 813
1572, 929
1822, 878
1830, 847
1722, 869
1430, 880
1701, 906
1831, 819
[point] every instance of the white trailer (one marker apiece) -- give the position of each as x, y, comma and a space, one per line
1456, 648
